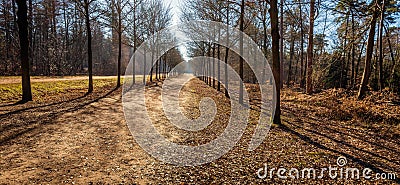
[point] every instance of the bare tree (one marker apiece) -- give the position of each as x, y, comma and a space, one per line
227, 51
118, 15
380, 66
370, 48
85, 9
282, 52
310, 49
241, 27
303, 68
273, 11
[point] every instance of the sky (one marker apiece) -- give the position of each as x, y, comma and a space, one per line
175, 9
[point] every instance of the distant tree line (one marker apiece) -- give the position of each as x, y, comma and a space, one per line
57, 34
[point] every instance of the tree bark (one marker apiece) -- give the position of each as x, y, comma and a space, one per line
144, 65
358, 62
24, 49
134, 43
227, 52
310, 50
343, 60
241, 27
393, 67
282, 56
302, 69
275, 58
119, 11
89, 40
291, 58
353, 51
213, 66
219, 64
119, 58
264, 23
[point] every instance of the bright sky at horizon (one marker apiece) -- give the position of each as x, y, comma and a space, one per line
175, 9
175, 6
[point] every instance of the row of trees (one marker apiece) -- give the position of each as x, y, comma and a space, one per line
348, 44
70, 37
315, 44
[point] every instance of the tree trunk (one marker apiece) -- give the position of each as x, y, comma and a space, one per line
157, 68
310, 50
343, 60
30, 28
227, 52
275, 58
158, 61
353, 51
24, 50
151, 65
119, 55
209, 66
393, 67
302, 70
144, 65
165, 67
213, 66
380, 66
296, 69
264, 23
370, 48
152, 59
219, 64
89, 40
358, 62
119, 11
134, 43
282, 56
241, 51
291, 57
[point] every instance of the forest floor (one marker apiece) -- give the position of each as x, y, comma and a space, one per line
82, 139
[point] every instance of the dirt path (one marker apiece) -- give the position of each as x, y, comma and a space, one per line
85, 140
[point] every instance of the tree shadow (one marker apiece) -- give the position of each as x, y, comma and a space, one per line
359, 138
10, 104
342, 142
313, 119
363, 162
36, 107
33, 122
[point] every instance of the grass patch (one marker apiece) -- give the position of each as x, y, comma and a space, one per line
40, 90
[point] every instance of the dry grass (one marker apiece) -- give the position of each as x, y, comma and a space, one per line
43, 90
379, 111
